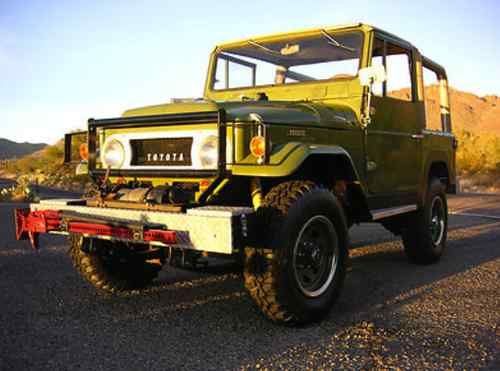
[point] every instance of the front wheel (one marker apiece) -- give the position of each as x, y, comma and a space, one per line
110, 266
297, 276
424, 236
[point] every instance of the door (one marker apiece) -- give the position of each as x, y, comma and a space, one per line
393, 145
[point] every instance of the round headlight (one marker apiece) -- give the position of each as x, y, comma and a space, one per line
208, 152
113, 154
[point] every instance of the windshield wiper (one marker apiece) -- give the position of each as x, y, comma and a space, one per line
335, 43
266, 49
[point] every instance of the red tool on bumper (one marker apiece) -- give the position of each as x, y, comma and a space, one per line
29, 225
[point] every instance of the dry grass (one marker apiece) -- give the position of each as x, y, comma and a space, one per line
478, 161
45, 167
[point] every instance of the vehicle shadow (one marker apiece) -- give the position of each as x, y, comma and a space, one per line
378, 271
381, 279
209, 314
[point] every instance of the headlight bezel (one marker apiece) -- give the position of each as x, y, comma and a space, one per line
119, 149
208, 152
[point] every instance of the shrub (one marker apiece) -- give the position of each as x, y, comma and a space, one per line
478, 153
47, 167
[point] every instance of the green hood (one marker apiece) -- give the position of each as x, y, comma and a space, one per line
273, 112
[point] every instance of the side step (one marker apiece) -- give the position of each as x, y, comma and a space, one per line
385, 213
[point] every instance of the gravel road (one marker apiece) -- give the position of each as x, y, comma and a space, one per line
391, 313
42, 191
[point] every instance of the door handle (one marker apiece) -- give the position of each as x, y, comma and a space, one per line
417, 136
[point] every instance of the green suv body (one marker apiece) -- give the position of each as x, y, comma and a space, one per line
297, 137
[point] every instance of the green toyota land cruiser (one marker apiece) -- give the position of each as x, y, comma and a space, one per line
298, 136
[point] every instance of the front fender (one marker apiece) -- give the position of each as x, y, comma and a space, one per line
288, 160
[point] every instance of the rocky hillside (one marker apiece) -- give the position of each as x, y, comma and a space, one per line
468, 111
10, 149
473, 113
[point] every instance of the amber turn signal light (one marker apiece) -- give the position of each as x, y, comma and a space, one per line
258, 146
84, 151
204, 184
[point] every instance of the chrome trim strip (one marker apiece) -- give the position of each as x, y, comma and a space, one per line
385, 213
384, 132
439, 133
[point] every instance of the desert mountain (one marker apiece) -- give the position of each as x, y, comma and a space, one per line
468, 111
473, 113
10, 149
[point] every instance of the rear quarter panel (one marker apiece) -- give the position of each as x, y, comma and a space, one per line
439, 147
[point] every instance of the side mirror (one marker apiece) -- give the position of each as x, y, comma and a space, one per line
372, 75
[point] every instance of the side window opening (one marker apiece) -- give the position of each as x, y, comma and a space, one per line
399, 77
437, 107
398, 64
432, 102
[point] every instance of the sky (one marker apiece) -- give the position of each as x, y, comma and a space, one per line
62, 62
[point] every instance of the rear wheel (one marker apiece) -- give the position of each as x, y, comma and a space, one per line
424, 236
110, 266
298, 274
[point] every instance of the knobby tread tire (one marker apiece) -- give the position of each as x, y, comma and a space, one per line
263, 287
263, 265
120, 279
417, 242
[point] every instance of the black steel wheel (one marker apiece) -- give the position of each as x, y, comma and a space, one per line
425, 232
437, 223
315, 256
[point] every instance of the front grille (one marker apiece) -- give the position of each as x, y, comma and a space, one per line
161, 152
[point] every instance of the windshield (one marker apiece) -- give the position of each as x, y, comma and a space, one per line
321, 57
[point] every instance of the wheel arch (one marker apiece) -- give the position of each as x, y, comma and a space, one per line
330, 168
438, 165
325, 165
438, 168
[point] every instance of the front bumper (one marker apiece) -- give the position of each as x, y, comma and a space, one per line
217, 229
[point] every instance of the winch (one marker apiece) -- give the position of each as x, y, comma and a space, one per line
175, 194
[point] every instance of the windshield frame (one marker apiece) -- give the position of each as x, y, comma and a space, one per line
219, 50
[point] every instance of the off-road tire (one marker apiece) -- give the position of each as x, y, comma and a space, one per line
107, 274
420, 245
269, 273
